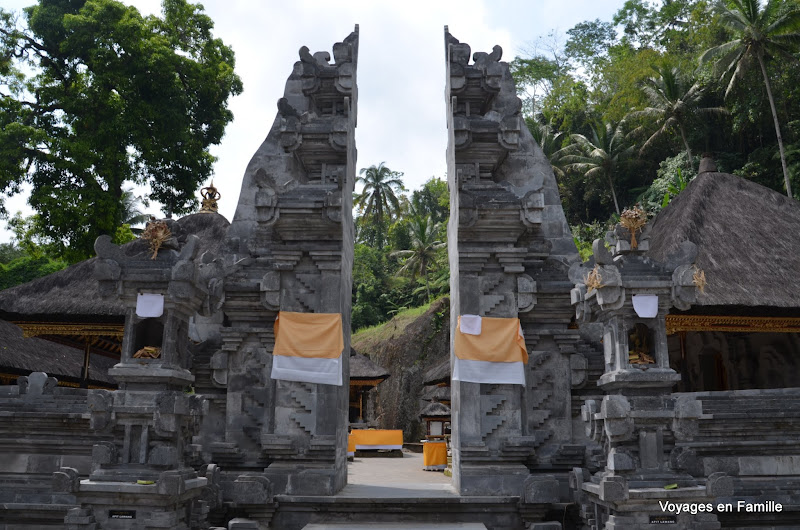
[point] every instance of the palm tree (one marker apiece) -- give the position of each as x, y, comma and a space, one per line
760, 33
551, 143
129, 211
598, 156
377, 199
424, 244
673, 105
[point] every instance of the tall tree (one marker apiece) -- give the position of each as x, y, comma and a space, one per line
551, 143
760, 33
93, 96
378, 200
424, 244
599, 155
673, 104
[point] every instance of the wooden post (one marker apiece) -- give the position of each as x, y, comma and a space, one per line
85, 375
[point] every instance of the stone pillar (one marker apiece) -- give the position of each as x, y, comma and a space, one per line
507, 237
290, 248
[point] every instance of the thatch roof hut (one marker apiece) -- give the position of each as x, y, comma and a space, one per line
435, 410
439, 374
747, 240
65, 309
362, 368
73, 294
21, 356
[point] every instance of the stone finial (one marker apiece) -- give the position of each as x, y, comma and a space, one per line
707, 164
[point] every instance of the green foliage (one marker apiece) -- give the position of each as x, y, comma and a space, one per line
95, 96
377, 203
27, 268
584, 235
9, 252
123, 235
589, 42
644, 75
759, 33
411, 267
672, 178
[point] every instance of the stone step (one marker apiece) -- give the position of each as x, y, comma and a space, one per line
337, 512
396, 526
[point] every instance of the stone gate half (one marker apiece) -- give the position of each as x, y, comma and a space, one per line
290, 248
510, 250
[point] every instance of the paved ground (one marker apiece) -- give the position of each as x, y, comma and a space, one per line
394, 478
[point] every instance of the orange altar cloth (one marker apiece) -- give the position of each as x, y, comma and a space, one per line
374, 439
434, 456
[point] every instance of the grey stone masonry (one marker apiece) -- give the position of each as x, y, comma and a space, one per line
630, 295
510, 250
141, 479
290, 248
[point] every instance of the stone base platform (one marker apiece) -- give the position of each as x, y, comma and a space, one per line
492, 513
397, 526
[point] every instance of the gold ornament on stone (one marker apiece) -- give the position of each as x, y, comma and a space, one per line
699, 280
156, 232
210, 198
593, 279
148, 352
633, 219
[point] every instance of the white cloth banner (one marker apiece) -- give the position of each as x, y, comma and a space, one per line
645, 305
307, 370
368, 447
489, 372
471, 324
149, 305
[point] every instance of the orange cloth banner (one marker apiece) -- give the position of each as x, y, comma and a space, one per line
434, 454
309, 335
500, 341
381, 439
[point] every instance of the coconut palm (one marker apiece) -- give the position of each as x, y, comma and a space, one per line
760, 33
129, 211
377, 199
598, 156
551, 143
424, 244
673, 104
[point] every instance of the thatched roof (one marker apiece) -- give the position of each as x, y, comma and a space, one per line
435, 410
361, 367
748, 240
73, 293
21, 356
435, 393
438, 374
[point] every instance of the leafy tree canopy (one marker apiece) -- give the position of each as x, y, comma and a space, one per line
93, 95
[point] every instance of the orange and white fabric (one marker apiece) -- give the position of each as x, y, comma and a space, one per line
434, 456
369, 439
489, 350
308, 348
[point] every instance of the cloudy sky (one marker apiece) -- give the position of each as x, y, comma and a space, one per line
401, 119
